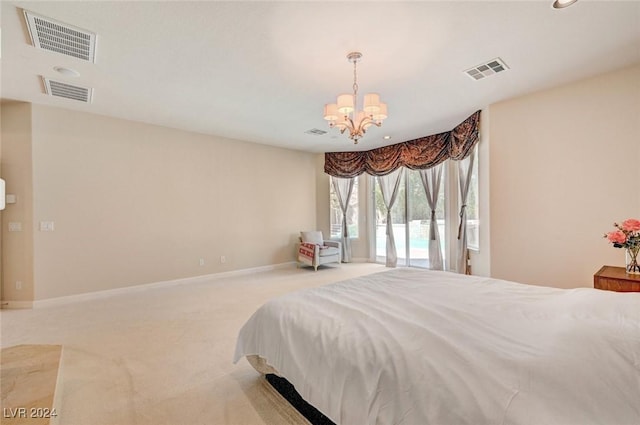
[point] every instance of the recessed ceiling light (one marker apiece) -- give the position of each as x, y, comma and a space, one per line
560, 4
68, 72
386, 137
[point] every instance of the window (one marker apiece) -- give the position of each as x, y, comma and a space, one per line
473, 222
336, 212
411, 217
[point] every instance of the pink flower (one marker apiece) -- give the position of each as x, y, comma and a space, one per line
617, 237
631, 225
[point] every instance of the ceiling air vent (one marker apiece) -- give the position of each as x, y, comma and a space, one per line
68, 91
61, 38
316, 132
486, 69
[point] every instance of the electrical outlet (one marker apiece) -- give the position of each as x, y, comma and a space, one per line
18, 285
47, 226
223, 259
15, 226
202, 261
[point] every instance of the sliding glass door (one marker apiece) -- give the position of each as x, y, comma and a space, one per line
411, 218
418, 217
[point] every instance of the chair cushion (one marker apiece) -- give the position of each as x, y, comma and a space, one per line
314, 237
326, 251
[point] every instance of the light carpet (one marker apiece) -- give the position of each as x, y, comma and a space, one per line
163, 355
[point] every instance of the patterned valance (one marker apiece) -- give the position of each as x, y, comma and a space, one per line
417, 154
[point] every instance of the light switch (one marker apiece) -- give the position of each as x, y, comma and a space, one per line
11, 198
15, 226
46, 226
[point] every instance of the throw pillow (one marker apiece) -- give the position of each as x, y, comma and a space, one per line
314, 237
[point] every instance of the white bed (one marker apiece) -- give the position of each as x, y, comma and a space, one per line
417, 347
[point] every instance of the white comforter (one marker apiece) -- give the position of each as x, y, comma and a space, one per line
417, 347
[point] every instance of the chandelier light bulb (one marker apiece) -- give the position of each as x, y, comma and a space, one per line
372, 103
345, 103
382, 113
344, 114
331, 112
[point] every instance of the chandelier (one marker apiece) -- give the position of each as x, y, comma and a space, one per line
344, 114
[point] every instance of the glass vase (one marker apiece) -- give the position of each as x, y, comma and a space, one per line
632, 260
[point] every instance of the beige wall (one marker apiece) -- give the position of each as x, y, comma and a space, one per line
564, 167
17, 247
134, 203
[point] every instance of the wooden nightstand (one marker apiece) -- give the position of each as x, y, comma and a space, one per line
616, 279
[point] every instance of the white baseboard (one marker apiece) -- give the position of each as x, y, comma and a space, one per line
360, 260
14, 305
50, 302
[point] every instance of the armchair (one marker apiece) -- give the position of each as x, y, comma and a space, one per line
313, 250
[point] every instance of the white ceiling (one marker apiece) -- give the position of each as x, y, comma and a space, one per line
262, 71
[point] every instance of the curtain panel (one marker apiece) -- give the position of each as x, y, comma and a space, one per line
418, 154
431, 179
343, 189
389, 185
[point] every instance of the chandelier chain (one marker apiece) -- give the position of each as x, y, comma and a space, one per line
355, 78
